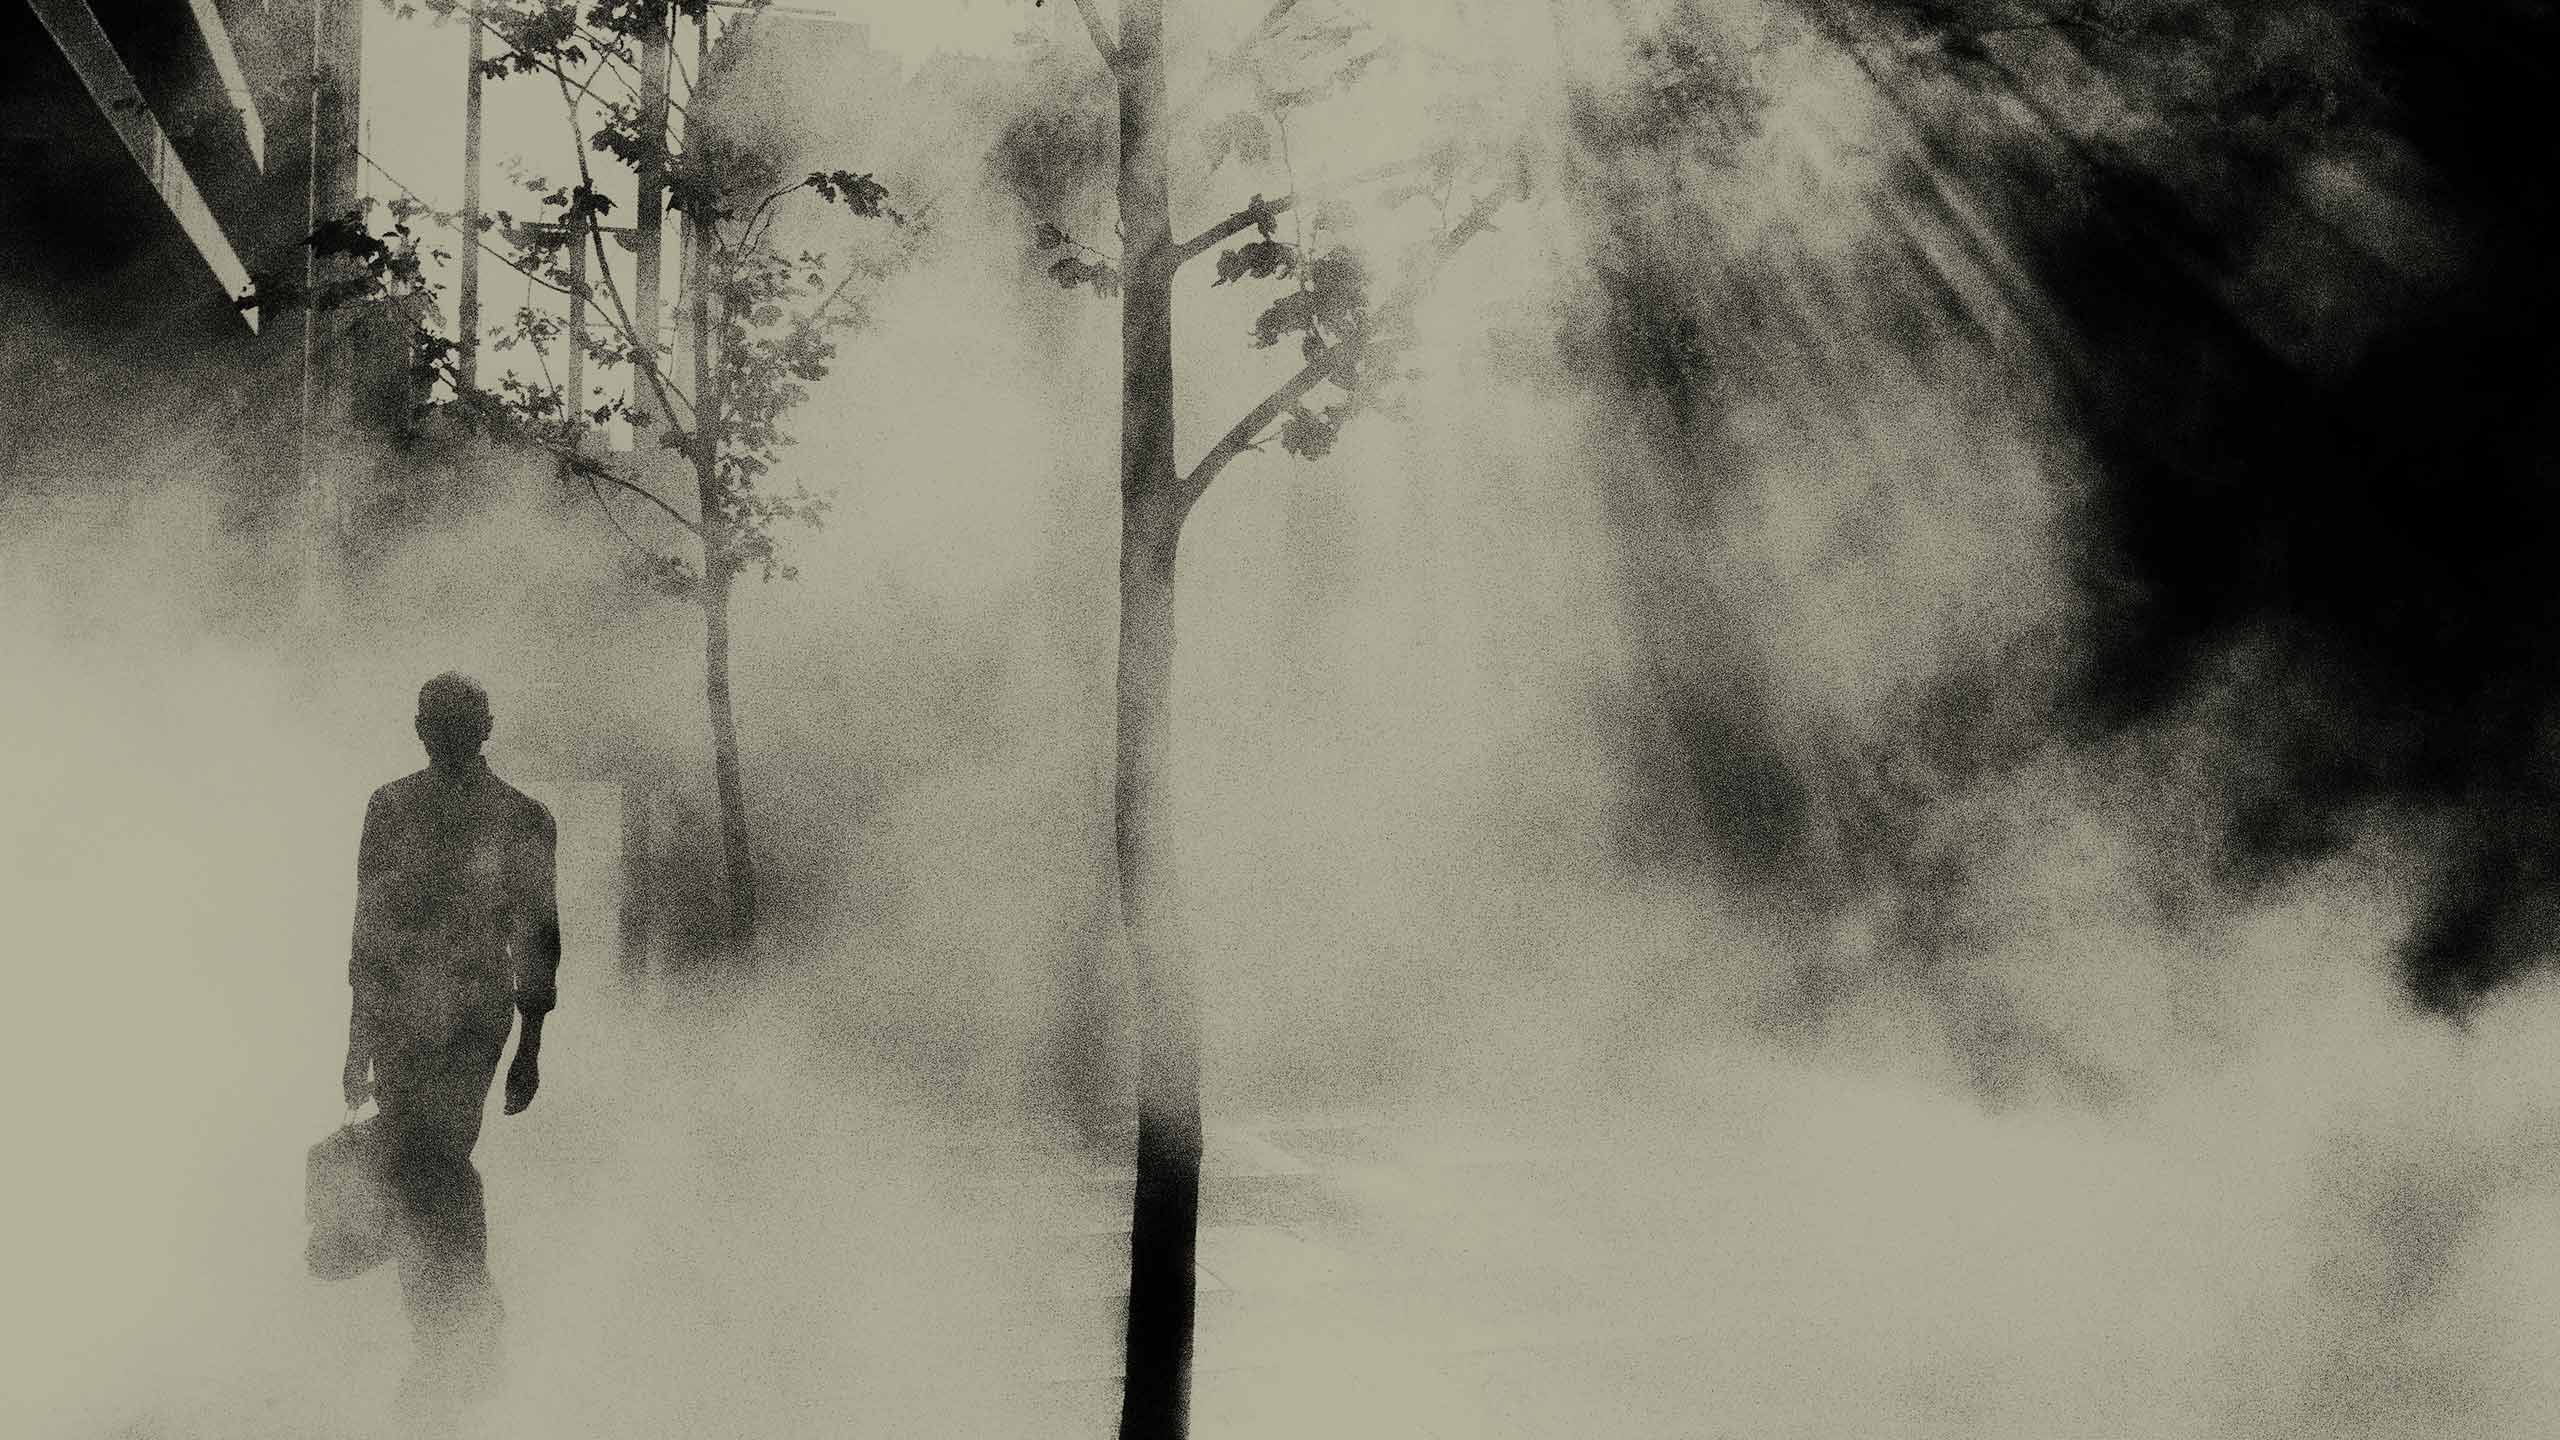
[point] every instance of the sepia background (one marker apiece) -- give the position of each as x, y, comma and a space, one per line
1903, 791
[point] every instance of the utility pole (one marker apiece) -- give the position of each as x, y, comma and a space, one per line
328, 189
571, 239
315, 501
655, 45
577, 325
470, 326
692, 236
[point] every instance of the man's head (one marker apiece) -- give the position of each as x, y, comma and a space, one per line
453, 717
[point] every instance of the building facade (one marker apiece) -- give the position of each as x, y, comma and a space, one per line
161, 162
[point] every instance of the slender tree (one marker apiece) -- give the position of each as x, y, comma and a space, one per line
759, 322
1344, 340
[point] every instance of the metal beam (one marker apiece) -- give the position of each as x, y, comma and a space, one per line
469, 333
74, 27
235, 85
648, 219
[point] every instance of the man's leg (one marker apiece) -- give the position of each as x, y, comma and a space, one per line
444, 1269
444, 1262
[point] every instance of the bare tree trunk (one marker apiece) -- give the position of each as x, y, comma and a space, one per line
724, 769
647, 217
1165, 1210
717, 579
1165, 1213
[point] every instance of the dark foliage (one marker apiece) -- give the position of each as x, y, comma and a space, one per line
2370, 506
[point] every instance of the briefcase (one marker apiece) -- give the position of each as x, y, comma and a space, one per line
346, 1199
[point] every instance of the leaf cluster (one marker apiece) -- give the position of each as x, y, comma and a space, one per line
1257, 260
773, 345
861, 194
1310, 435
356, 265
1332, 300
775, 319
1073, 269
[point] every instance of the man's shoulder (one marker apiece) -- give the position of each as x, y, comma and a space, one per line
523, 809
400, 791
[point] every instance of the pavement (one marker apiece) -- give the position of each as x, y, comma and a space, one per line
689, 1245
1361, 1273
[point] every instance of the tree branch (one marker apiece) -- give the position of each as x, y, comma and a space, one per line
1271, 19
604, 507
448, 218
1244, 219
1242, 435
585, 88
1234, 60
1210, 238
1417, 282
644, 348
1100, 32
590, 471
747, 236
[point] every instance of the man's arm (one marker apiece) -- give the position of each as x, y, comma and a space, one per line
537, 949
362, 981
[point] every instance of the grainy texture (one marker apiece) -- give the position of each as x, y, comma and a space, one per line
1861, 738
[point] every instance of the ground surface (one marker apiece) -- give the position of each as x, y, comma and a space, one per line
751, 1245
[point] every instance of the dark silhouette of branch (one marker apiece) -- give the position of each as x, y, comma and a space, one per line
605, 508
492, 251
1245, 433
1307, 194
1477, 220
1247, 217
1271, 20
607, 54
1100, 32
1244, 219
594, 473
644, 351
747, 235
1242, 435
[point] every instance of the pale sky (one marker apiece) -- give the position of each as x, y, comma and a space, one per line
412, 99
413, 84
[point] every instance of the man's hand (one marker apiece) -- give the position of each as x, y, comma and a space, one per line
525, 1075
523, 1078
353, 1080
360, 1047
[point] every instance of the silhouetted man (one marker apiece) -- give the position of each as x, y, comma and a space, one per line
457, 931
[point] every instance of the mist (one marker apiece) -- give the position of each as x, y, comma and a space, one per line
1738, 884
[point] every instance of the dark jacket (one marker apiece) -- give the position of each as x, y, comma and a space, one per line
457, 916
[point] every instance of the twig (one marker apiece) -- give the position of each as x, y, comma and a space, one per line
450, 218
605, 508
644, 352
1209, 239
593, 473
1101, 33
1212, 237
1327, 363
